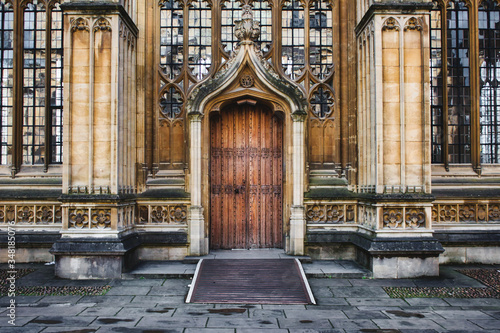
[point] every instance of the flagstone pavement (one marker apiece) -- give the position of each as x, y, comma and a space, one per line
151, 305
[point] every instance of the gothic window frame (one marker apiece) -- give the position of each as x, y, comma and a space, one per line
50, 143
475, 158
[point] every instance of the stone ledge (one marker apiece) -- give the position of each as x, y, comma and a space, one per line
32, 239
385, 247
468, 237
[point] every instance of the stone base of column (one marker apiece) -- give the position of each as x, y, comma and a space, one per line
198, 242
87, 258
297, 231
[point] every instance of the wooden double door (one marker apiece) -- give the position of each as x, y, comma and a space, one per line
246, 176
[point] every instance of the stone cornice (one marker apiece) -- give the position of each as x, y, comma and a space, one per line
395, 8
93, 8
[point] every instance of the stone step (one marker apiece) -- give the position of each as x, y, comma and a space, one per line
330, 269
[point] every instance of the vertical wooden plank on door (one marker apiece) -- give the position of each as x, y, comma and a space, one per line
253, 181
215, 181
277, 162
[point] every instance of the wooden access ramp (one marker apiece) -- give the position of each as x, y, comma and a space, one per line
250, 281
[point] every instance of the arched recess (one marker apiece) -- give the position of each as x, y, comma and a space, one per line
247, 78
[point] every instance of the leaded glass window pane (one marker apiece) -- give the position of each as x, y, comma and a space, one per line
293, 52
56, 85
171, 38
321, 39
200, 39
6, 90
436, 76
34, 71
458, 83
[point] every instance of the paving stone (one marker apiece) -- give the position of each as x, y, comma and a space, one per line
426, 302
457, 324
365, 292
239, 305
322, 292
156, 329
137, 282
242, 323
330, 301
100, 311
356, 314
381, 302
155, 321
22, 329
146, 311
382, 283
261, 330
284, 307
378, 308
54, 309
353, 324
115, 321
461, 314
209, 330
168, 291
71, 329
410, 323
411, 314
309, 330
488, 324
114, 300
125, 290
60, 299
315, 314
472, 302
61, 321
215, 312
493, 313
158, 299
260, 313
304, 321
329, 283
20, 300
329, 307
19, 321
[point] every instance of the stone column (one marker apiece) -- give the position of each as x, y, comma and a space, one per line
394, 138
297, 213
198, 243
98, 172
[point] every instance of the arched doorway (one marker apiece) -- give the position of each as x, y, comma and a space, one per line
246, 177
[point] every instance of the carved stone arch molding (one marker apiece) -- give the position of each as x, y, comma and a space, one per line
247, 75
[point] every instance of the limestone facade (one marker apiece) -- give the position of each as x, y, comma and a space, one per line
350, 81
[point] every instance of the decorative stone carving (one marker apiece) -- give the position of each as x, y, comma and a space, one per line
80, 24
246, 81
390, 24
331, 213
101, 219
162, 214
78, 218
415, 218
102, 24
393, 218
413, 24
247, 29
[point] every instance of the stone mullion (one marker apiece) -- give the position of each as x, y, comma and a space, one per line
17, 107
344, 135
48, 77
444, 64
307, 39
475, 86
